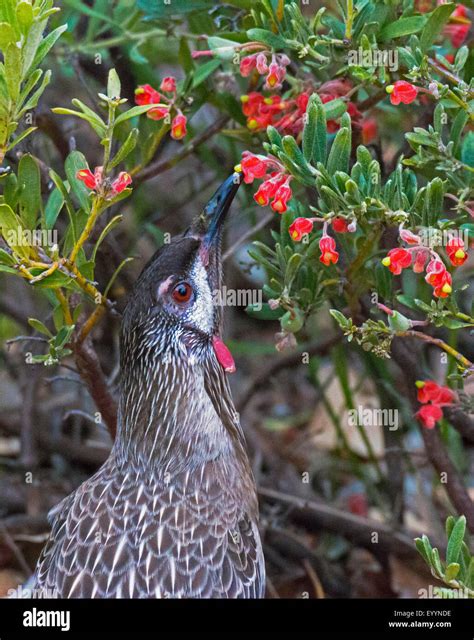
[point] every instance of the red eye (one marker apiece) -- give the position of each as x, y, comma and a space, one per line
182, 292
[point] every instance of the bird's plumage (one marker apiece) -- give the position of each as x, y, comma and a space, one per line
173, 512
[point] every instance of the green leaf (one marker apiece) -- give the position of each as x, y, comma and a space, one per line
12, 230
43, 49
113, 85
135, 111
455, 540
160, 10
74, 163
334, 109
315, 131
12, 65
24, 134
436, 21
29, 183
204, 71
339, 155
402, 27
89, 116
127, 147
40, 327
53, 207
340, 318
24, 15
222, 47
267, 37
7, 35
451, 571
467, 153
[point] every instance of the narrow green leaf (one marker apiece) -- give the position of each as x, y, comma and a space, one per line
113, 84
74, 163
29, 183
53, 207
436, 21
40, 327
455, 540
402, 27
267, 37
127, 147
339, 155
135, 111
12, 231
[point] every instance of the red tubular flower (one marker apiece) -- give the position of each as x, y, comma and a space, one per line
402, 91
456, 252
158, 113
282, 195
253, 166
168, 84
121, 182
247, 65
429, 414
300, 227
369, 130
340, 225
430, 391
421, 258
439, 278
327, 246
397, 260
275, 76
87, 177
457, 31
409, 237
261, 64
145, 94
178, 127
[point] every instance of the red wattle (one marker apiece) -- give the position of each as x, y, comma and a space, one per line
223, 355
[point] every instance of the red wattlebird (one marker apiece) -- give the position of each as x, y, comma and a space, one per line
173, 512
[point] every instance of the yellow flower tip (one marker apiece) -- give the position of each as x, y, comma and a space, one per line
420, 384
244, 98
139, 91
389, 88
252, 124
268, 101
238, 168
271, 81
386, 261
446, 288
460, 253
294, 235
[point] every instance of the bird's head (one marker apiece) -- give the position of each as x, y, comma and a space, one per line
173, 307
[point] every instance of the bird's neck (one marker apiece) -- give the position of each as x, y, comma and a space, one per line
166, 417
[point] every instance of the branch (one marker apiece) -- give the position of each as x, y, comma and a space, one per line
461, 421
161, 166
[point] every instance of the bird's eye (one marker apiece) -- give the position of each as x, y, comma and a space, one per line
182, 292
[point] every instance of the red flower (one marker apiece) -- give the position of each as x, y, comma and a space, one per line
340, 225
421, 257
158, 113
455, 251
429, 391
327, 246
121, 182
253, 166
429, 414
261, 63
168, 84
457, 30
268, 189
282, 195
247, 65
275, 76
369, 130
88, 178
299, 228
396, 260
145, 94
178, 127
439, 278
409, 237
402, 91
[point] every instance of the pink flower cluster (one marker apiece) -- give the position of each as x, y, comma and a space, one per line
273, 71
418, 256
276, 184
95, 181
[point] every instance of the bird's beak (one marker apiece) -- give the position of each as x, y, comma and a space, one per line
214, 213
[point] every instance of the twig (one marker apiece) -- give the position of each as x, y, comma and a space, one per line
248, 234
160, 166
292, 359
